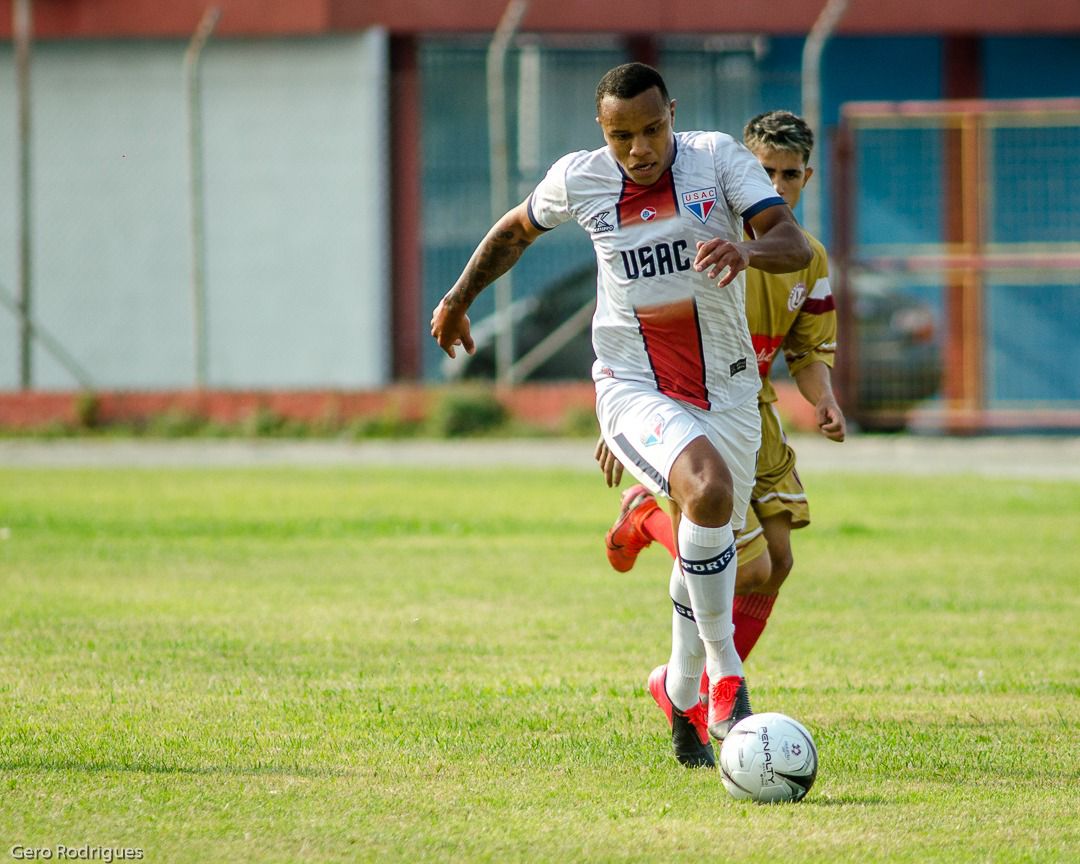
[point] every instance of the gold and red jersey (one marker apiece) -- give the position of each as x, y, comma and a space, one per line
794, 313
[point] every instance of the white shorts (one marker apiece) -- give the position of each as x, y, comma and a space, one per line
647, 431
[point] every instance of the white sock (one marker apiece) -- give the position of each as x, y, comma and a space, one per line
687, 651
709, 563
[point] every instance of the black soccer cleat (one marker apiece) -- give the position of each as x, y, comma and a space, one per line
689, 735
686, 738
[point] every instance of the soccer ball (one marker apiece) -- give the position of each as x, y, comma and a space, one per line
768, 758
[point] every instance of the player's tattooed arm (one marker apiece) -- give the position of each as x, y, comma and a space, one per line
497, 253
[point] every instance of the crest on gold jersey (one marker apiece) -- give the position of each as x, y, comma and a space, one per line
796, 297
700, 203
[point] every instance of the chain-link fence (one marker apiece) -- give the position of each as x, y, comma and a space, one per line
716, 82
959, 226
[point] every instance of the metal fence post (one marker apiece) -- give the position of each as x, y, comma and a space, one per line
23, 32
198, 241
823, 27
500, 175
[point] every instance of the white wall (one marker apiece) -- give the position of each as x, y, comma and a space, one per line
297, 224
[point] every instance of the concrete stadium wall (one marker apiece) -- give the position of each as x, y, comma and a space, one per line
297, 236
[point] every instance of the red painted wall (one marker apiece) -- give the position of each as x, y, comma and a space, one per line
59, 19
177, 18
693, 16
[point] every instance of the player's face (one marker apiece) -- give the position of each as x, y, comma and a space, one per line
640, 133
787, 171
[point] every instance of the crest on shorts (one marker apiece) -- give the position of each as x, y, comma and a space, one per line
654, 433
700, 203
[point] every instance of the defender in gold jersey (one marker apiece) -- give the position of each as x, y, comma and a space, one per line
793, 314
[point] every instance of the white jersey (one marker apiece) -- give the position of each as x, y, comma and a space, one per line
658, 320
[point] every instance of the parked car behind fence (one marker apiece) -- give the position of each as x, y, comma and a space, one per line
897, 347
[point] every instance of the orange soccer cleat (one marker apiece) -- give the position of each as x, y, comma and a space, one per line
625, 539
729, 702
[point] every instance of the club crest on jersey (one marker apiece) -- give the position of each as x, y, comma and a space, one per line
599, 223
655, 433
796, 297
648, 214
700, 203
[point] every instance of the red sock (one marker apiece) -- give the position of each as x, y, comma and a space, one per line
750, 614
657, 526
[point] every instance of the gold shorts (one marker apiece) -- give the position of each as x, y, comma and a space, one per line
777, 488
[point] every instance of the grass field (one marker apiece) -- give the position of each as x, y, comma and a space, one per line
360, 665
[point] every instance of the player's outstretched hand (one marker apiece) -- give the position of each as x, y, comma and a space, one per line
830, 419
450, 327
610, 466
715, 255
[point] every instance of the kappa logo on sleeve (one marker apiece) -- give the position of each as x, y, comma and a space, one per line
599, 223
700, 203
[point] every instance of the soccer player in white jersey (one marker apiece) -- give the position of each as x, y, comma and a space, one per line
676, 377
789, 312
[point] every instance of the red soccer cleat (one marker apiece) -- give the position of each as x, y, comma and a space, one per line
689, 734
625, 539
729, 702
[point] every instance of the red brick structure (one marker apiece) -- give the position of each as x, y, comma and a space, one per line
89, 19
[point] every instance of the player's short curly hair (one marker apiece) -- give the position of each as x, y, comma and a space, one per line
629, 80
779, 130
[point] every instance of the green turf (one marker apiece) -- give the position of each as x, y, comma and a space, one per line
375, 665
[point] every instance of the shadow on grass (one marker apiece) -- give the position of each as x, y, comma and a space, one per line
74, 765
846, 801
